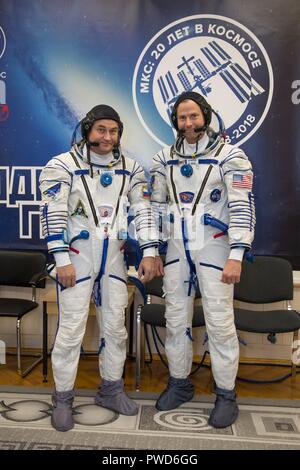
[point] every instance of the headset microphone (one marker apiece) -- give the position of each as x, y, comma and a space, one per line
93, 144
197, 130
200, 129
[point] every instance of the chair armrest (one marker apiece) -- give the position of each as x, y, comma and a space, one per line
140, 286
37, 278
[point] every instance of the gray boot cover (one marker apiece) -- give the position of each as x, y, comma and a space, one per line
177, 392
112, 395
226, 409
62, 413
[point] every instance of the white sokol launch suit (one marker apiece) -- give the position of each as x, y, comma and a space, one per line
219, 189
72, 202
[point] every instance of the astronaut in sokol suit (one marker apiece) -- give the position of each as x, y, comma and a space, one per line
85, 197
201, 192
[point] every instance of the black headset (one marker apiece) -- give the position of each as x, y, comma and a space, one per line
99, 112
201, 102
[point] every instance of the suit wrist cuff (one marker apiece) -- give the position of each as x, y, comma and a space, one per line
237, 254
149, 252
62, 258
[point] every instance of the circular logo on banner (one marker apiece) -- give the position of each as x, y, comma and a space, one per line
2, 42
213, 55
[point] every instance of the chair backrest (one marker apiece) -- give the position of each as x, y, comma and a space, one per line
155, 287
268, 279
17, 268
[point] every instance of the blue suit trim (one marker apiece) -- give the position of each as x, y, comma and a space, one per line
118, 278
51, 238
97, 288
211, 266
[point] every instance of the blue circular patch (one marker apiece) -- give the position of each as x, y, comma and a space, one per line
106, 179
186, 170
215, 195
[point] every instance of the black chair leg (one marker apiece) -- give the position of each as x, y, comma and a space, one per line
294, 350
138, 349
19, 346
19, 354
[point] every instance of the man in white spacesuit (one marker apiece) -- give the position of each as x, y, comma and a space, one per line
86, 194
201, 193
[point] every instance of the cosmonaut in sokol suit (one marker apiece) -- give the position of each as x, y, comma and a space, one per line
201, 194
85, 198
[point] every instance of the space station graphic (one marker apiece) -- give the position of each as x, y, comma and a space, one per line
196, 74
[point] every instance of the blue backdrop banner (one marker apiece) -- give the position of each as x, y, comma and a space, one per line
58, 59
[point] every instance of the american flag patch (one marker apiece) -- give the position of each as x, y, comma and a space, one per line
242, 181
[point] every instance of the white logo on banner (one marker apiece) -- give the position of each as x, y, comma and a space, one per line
19, 189
296, 94
4, 110
2, 42
213, 55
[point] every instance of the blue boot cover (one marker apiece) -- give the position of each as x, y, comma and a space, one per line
177, 392
226, 409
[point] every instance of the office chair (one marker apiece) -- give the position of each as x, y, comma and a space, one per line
152, 316
268, 279
21, 269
